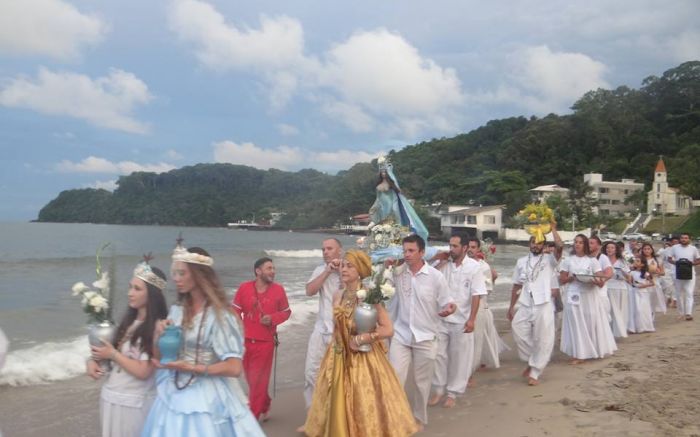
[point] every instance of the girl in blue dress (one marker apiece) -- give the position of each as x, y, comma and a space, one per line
194, 394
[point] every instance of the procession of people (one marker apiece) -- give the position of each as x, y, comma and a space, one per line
429, 328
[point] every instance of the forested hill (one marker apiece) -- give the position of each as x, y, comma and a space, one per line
619, 133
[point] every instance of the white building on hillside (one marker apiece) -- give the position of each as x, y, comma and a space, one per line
478, 221
663, 199
611, 195
541, 193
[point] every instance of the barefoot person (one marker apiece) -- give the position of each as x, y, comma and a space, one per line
684, 257
455, 340
421, 299
357, 393
194, 392
262, 304
130, 387
324, 281
534, 280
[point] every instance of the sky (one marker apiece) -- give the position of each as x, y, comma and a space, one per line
93, 90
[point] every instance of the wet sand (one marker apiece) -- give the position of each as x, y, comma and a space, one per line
649, 387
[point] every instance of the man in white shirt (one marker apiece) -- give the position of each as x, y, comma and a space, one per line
533, 323
324, 281
684, 287
421, 298
466, 285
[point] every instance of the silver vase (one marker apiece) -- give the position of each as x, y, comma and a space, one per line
365, 322
98, 332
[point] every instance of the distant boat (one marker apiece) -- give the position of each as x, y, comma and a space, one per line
242, 224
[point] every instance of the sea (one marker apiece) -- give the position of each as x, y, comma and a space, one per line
40, 262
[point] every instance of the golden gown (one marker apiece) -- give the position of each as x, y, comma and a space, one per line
357, 393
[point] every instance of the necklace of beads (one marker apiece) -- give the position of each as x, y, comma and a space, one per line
533, 271
196, 352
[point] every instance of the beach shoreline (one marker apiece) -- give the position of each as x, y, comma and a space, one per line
646, 388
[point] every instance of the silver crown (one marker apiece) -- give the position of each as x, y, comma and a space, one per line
144, 272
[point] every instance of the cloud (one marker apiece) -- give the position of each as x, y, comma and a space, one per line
282, 157
109, 185
686, 46
50, 28
174, 155
286, 157
93, 164
544, 81
373, 81
107, 101
222, 46
287, 129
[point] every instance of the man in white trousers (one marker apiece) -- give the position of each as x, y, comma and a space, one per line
533, 324
324, 281
421, 299
684, 286
466, 283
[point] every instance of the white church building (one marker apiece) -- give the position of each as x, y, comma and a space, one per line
663, 199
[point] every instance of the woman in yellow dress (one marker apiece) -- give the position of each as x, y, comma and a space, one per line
358, 393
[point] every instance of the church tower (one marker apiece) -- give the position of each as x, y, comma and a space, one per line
659, 188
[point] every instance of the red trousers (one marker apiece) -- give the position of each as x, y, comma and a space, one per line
257, 364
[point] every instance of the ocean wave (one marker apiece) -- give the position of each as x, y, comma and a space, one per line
49, 362
308, 253
45, 363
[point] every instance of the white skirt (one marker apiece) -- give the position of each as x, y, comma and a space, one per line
657, 298
641, 314
619, 311
123, 421
487, 343
586, 332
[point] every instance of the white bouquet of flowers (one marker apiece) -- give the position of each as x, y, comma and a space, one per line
386, 235
97, 300
379, 286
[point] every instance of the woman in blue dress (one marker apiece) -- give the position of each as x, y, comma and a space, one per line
194, 395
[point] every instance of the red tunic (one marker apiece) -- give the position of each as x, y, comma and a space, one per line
251, 306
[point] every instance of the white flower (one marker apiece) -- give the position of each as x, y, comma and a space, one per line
103, 282
79, 287
388, 274
361, 241
378, 238
388, 290
361, 293
98, 302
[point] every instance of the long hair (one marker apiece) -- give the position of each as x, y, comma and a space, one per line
618, 249
653, 252
600, 243
389, 180
206, 279
586, 247
155, 310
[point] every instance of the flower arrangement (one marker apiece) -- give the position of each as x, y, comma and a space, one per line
379, 286
538, 218
488, 249
97, 301
385, 235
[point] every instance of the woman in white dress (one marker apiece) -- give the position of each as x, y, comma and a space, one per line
130, 388
585, 332
618, 290
641, 317
656, 270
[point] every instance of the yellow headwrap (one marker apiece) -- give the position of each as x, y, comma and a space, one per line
360, 261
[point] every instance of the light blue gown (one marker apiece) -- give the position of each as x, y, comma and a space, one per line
208, 406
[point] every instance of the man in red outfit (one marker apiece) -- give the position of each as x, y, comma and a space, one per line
262, 304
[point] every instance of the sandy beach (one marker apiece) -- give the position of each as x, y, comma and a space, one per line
649, 387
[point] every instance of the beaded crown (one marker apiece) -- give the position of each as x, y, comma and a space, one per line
181, 254
144, 272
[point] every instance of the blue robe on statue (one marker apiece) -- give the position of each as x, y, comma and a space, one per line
207, 407
391, 203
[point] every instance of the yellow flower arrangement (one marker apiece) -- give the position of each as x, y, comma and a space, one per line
539, 217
